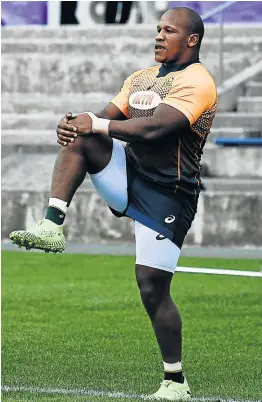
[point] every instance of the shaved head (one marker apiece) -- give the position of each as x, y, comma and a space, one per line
180, 32
192, 20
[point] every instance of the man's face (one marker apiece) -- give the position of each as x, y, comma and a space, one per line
172, 38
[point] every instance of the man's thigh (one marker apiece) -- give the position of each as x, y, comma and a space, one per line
111, 182
154, 251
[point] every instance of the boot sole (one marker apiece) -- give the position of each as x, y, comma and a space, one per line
34, 242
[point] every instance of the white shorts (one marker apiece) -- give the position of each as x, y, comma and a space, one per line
111, 185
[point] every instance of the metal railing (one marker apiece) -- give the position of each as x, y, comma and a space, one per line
211, 13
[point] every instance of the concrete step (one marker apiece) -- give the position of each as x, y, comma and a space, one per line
36, 121
232, 184
104, 72
31, 165
76, 33
250, 104
233, 162
223, 218
136, 30
254, 88
24, 103
113, 45
41, 141
236, 132
40, 103
27, 104
46, 74
240, 119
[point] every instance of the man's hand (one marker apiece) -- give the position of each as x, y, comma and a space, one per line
66, 132
70, 127
83, 123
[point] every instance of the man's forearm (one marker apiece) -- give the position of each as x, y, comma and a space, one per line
142, 129
165, 121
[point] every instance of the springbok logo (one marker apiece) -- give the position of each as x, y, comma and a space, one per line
144, 100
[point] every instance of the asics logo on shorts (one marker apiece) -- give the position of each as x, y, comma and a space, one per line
160, 237
144, 100
169, 219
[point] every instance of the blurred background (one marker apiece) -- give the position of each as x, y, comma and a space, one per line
60, 56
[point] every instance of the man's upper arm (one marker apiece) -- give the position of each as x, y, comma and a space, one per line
121, 100
192, 95
117, 108
111, 112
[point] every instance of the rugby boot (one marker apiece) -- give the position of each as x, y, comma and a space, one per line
171, 391
46, 235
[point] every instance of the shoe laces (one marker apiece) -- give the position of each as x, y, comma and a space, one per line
166, 383
40, 222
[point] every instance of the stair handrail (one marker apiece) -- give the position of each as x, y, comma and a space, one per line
211, 13
218, 9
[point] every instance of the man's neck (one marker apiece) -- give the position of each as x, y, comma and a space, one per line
175, 66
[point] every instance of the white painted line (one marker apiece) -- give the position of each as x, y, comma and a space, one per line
215, 271
108, 394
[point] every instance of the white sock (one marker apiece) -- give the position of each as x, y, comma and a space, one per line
59, 204
172, 367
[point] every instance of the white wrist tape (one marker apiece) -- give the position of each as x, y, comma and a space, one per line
99, 126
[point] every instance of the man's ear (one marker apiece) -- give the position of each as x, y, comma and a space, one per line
193, 40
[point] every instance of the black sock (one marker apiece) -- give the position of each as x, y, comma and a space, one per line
176, 377
55, 215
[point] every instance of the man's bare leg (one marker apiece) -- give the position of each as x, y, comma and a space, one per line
86, 154
154, 286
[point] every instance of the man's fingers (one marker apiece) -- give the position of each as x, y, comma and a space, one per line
65, 139
66, 133
67, 127
63, 124
61, 142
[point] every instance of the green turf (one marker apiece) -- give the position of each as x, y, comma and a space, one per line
76, 322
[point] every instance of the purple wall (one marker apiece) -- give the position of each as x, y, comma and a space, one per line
241, 11
35, 12
23, 12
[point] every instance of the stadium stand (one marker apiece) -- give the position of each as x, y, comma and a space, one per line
46, 72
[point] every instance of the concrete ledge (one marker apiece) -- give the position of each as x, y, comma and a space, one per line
234, 162
105, 71
44, 141
26, 103
254, 88
231, 119
234, 87
225, 184
49, 121
231, 31
223, 219
119, 44
250, 104
25, 167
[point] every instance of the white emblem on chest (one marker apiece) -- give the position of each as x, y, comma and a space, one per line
144, 100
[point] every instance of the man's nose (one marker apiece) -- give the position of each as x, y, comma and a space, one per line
160, 36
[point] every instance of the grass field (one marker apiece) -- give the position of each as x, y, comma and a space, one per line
76, 322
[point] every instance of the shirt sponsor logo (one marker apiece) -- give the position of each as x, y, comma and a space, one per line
144, 100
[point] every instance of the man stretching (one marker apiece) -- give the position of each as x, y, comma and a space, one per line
164, 114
